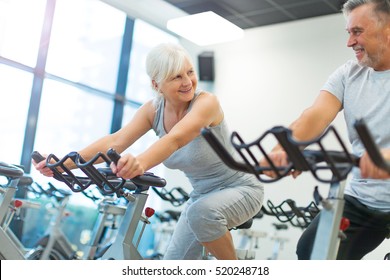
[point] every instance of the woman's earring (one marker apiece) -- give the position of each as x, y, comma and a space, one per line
155, 86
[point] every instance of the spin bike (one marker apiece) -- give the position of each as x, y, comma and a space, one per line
54, 245
11, 247
111, 211
9, 250
287, 212
16, 211
326, 166
135, 191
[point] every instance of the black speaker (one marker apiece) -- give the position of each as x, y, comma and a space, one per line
206, 66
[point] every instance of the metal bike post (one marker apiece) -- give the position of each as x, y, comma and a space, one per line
327, 238
8, 250
6, 197
123, 247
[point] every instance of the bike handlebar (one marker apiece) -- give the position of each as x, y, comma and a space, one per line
339, 163
370, 146
103, 178
288, 211
221, 151
176, 196
148, 179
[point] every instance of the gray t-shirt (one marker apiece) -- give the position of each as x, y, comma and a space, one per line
199, 162
364, 93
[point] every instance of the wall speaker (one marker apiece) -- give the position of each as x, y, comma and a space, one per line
206, 66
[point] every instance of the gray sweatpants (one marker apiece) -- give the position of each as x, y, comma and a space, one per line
209, 216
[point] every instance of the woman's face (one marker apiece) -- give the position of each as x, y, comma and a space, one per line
182, 86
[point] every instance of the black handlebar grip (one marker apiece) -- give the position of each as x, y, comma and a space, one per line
146, 180
370, 145
37, 157
113, 155
221, 151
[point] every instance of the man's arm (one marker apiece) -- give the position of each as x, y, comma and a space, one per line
310, 124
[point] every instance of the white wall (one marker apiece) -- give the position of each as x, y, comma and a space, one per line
267, 79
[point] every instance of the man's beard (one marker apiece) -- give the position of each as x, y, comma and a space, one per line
372, 60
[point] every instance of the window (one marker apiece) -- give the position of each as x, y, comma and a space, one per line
69, 103
15, 87
86, 42
20, 25
70, 118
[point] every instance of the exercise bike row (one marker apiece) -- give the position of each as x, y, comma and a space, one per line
57, 229
135, 191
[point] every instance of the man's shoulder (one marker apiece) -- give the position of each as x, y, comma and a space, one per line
352, 68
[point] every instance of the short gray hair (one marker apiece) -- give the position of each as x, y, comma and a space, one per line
166, 60
382, 7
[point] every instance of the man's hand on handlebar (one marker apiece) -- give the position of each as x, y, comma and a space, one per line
280, 159
369, 170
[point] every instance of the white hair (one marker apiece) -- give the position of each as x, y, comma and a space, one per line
164, 61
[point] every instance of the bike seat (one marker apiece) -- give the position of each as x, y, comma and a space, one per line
245, 225
25, 181
10, 170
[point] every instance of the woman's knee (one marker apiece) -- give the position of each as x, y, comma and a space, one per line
201, 214
206, 223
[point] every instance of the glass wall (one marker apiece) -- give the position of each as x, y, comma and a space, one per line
60, 70
86, 42
15, 88
21, 25
70, 118
65, 71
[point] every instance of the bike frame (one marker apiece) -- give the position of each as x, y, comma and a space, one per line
339, 163
135, 191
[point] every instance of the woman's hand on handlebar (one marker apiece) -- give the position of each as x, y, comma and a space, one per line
42, 168
369, 170
127, 167
280, 159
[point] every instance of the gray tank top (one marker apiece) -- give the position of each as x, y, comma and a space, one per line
199, 162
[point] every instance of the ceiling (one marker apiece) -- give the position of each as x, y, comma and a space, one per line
254, 13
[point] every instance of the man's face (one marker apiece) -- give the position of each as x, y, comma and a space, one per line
368, 37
